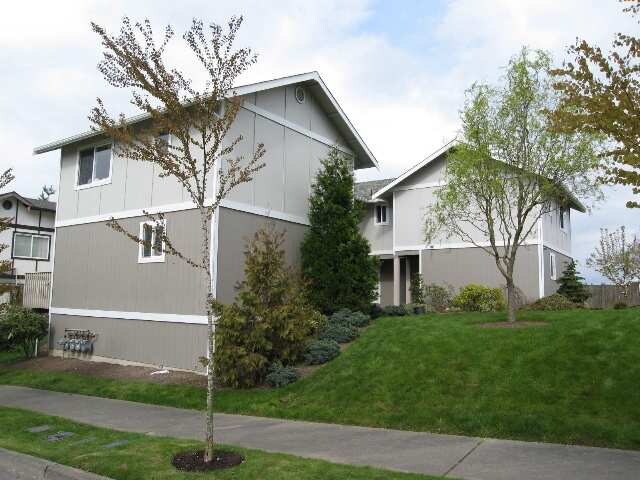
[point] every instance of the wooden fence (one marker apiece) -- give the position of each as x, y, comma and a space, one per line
36, 290
606, 296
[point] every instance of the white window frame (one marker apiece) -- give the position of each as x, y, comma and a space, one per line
553, 266
375, 214
32, 235
93, 183
153, 258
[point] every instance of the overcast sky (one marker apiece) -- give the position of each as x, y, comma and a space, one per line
399, 69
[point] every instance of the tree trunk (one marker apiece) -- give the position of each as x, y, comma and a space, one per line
210, 386
511, 301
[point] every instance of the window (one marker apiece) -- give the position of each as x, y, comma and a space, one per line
552, 266
562, 213
28, 245
94, 166
381, 215
166, 139
152, 250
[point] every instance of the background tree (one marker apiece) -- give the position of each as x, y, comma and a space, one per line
509, 168
572, 284
335, 255
601, 94
196, 120
46, 192
5, 265
617, 258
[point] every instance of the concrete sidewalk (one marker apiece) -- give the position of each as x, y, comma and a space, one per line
448, 455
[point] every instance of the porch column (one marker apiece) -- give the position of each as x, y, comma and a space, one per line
407, 279
396, 280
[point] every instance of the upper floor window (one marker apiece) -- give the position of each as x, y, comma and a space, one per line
562, 219
94, 166
152, 248
380, 217
28, 245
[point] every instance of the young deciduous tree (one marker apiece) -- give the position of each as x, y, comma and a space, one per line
601, 94
572, 284
5, 265
617, 258
509, 168
335, 255
196, 120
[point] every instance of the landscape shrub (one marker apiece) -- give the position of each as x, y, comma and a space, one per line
572, 285
394, 311
281, 376
270, 321
341, 333
437, 297
321, 351
417, 288
552, 302
22, 328
375, 311
478, 298
347, 317
620, 306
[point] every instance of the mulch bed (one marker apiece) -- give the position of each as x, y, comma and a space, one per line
194, 461
110, 371
522, 324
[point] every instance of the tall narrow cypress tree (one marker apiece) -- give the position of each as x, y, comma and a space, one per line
572, 284
335, 255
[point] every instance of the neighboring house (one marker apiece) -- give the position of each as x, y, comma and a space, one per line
394, 226
146, 307
30, 236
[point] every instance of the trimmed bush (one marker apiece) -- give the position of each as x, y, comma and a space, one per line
394, 311
478, 298
339, 333
375, 311
620, 306
21, 328
321, 351
437, 297
553, 302
280, 376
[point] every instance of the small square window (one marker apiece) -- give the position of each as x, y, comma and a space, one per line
94, 166
381, 215
152, 247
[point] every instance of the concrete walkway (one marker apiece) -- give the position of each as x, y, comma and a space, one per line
448, 455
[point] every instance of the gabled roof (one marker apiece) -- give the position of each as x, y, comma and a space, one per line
31, 202
311, 80
364, 190
573, 201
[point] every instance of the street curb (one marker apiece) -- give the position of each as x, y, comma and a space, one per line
19, 466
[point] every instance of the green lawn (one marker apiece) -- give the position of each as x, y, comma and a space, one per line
150, 457
573, 381
10, 356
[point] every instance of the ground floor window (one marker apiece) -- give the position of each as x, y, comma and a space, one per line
152, 247
32, 246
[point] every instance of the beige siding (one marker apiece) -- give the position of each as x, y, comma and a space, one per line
176, 345
462, 266
235, 230
97, 268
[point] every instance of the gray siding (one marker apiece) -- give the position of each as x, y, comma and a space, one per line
97, 268
386, 282
551, 285
380, 236
235, 230
461, 266
176, 345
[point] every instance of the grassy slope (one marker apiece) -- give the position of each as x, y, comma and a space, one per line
150, 457
574, 381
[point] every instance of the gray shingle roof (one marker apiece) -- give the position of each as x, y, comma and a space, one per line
32, 202
364, 190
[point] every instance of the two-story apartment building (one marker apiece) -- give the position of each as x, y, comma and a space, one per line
394, 226
143, 306
30, 236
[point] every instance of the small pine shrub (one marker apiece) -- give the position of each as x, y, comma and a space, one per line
437, 297
321, 351
620, 306
394, 311
552, 302
339, 333
280, 376
572, 284
478, 298
347, 317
